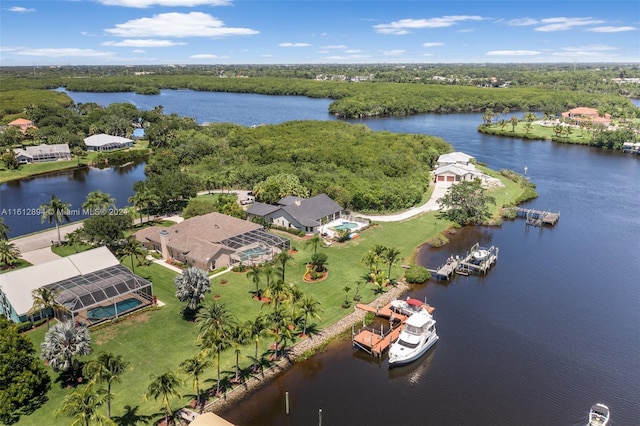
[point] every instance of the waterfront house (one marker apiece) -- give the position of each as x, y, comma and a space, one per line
91, 286
104, 142
583, 113
23, 124
455, 158
43, 153
213, 241
304, 214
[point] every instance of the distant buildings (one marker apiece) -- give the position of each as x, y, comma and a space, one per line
104, 142
23, 124
584, 113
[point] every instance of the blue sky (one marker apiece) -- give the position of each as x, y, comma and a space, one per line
130, 32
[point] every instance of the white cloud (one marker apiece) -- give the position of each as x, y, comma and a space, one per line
138, 51
194, 24
432, 44
563, 23
590, 50
18, 9
148, 3
611, 29
394, 52
204, 56
294, 45
512, 53
353, 51
142, 43
404, 26
592, 47
339, 46
59, 53
522, 22
345, 57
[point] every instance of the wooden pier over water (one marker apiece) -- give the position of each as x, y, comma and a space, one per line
537, 217
477, 260
374, 341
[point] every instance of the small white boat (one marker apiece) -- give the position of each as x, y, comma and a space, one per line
480, 254
416, 337
407, 307
599, 415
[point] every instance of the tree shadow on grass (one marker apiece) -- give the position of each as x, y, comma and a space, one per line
131, 417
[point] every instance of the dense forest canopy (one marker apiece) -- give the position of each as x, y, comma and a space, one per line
359, 168
368, 90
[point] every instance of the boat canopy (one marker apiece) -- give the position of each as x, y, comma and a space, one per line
414, 302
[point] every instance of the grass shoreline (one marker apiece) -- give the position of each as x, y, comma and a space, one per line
149, 340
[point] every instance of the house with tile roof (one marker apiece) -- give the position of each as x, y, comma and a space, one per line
104, 142
305, 214
23, 124
584, 113
213, 241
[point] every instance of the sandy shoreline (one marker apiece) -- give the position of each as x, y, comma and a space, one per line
311, 343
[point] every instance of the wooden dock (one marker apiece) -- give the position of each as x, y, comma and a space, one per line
375, 341
537, 217
467, 264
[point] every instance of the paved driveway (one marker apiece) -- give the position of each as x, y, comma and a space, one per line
440, 189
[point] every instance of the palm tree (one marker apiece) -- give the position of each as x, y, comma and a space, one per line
63, 343
98, 201
269, 273
254, 275
75, 238
214, 341
132, 418
191, 286
283, 257
309, 307
108, 369
163, 386
9, 253
346, 290
279, 320
44, 299
57, 211
82, 405
195, 367
143, 200
256, 329
4, 230
277, 293
132, 248
391, 257
314, 242
238, 337
214, 317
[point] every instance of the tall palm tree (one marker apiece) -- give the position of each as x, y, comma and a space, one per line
56, 211
63, 343
391, 257
82, 405
164, 386
108, 369
75, 238
238, 337
314, 242
132, 248
279, 319
9, 253
4, 230
277, 293
191, 286
98, 201
195, 367
143, 200
254, 275
283, 258
213, 342
309, 307
44, 299
214, 321
256, 329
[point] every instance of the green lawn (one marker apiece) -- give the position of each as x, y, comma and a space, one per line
159, 340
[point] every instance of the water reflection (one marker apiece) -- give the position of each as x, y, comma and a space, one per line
415, 372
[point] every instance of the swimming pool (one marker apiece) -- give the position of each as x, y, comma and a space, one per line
252, 253
102, 312
345, 225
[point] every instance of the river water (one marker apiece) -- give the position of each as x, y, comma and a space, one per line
553, 328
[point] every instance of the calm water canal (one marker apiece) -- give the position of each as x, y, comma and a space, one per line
552, 329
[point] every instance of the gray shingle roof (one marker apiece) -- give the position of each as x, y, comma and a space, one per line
309, 211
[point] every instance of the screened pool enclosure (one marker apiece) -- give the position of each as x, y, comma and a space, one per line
101, 295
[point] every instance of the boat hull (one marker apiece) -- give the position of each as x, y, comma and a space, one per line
397, 362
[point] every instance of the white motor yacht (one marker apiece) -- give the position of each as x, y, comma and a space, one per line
599, 415
417, 336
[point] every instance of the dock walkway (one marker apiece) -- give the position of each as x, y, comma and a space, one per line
537, 217
470, 263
